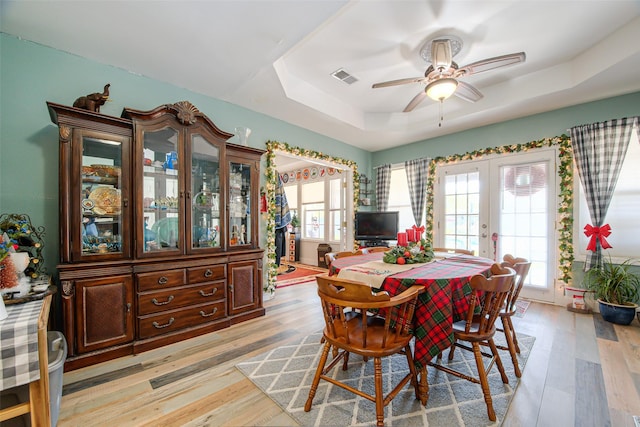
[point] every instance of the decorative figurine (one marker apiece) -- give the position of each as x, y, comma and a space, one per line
93, 101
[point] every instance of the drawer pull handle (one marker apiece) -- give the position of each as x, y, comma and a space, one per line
163, 280
155, 301
208, 273
159, 326
214, 311
208, 295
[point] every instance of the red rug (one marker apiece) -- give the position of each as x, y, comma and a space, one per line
302, 274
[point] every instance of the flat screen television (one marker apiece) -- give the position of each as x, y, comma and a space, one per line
376, 225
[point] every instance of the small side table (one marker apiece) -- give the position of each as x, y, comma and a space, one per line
584, 292
27, 323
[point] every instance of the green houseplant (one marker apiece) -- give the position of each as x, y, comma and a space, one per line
295, 223
616, 287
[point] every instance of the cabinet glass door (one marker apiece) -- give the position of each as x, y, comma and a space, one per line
205, 194
101, 200
239, 204
161, 191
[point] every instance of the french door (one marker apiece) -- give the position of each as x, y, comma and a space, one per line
505, 204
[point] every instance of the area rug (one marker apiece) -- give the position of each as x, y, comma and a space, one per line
285, 375
521, 307
300, 274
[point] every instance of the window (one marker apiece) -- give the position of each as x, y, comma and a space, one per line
399, 199
336, 204
291, 191
462, 210
313, 210
622, 214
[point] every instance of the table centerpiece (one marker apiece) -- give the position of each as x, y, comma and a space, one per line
411, 253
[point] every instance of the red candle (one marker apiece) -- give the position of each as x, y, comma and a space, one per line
411, 235
402, 239
418, 232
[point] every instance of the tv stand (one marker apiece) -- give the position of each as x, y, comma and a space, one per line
373, 243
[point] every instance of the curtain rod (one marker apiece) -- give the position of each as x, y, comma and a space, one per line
632, 118
400, 164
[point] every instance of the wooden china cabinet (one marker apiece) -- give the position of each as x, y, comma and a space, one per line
158, 229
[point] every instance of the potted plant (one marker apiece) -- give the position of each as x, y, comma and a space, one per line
616, 288
295, 223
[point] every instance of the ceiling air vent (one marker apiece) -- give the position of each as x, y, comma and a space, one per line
344, 76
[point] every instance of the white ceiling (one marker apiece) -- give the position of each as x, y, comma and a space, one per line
276, 57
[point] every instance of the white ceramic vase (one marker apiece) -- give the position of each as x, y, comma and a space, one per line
20, 261
243, 135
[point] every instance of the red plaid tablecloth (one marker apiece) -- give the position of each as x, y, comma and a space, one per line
445, 300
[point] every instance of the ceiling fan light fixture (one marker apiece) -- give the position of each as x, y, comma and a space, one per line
441, 89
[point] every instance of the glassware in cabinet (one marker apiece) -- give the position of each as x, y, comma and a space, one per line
160, 190
102, 197
240, 232
205, 194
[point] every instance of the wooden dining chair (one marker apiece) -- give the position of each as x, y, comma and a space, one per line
354, 324
330, 256
454, 251
375, 249
478, 328
521, 267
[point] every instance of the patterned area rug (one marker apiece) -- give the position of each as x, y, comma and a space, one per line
301, 273
521, 307
285, 375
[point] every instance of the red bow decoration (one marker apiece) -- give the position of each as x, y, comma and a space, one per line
418, 232
597, 233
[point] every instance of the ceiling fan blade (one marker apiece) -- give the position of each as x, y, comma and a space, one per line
491, 63
468, 92
399, 82
415, 101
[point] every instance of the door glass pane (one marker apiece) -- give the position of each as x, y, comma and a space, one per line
101, 206
336, 227
205, 188
313, 226
239, 204
160, 191
335, 194
524, 217
462, 211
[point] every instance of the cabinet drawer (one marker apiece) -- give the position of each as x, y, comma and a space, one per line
169, 321
206, 274
169, 299
160, 279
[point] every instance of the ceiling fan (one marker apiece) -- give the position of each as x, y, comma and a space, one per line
441, 77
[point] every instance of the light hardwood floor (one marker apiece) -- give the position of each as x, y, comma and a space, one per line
582, 371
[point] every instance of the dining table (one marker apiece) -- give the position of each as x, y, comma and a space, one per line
445, 299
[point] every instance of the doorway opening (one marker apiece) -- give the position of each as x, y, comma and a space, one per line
304, 168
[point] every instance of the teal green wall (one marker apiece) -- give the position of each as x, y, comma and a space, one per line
31, 74
527, 129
